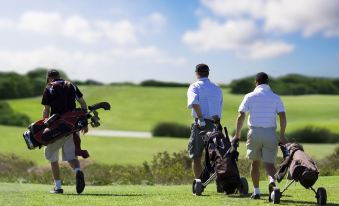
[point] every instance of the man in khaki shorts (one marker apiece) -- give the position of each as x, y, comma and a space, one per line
263, 106
59, 97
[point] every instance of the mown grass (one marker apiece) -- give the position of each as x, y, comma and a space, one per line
30, 194
123, 150
141, 108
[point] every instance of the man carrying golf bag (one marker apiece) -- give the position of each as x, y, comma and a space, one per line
58, 98
205, 99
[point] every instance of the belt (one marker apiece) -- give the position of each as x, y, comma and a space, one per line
208, 120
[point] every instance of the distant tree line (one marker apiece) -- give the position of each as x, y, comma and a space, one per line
14, 85
292, 84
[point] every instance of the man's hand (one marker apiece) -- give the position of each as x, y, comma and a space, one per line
85, 130
283, 140
201, 123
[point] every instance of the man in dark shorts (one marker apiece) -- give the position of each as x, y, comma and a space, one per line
59, 97
206, 101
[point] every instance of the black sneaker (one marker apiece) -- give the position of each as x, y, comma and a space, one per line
271, 186
56, 191
80, 182
255, 196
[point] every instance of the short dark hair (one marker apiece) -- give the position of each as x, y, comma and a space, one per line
262, 78
53, 73
202, 70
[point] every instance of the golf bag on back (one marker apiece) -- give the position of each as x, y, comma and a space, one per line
47, 131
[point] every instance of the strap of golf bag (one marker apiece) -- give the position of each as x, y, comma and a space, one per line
283, 168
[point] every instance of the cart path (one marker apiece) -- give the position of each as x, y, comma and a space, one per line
118, 133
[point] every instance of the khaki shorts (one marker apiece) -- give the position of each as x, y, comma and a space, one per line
196, 145
262, 144
67, 146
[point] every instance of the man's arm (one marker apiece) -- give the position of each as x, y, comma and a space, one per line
46, 112
83, 106
197, 109
283, 124
240, 122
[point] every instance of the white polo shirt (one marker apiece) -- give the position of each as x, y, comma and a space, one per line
263, 106
208, 95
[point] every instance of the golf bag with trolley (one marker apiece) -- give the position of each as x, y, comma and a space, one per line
300, 168
47, 131
221, 157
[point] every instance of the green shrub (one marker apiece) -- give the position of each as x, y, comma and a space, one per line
330, 165
9, 117
168, 129
311, 134
155, 83
291, 84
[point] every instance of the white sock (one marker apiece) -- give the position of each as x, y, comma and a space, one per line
57, 184
256, 191
271, 179
77, 169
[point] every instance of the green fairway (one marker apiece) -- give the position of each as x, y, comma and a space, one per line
29, 194
123, 150
140, 108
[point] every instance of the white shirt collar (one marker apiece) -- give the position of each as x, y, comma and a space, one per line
264, 87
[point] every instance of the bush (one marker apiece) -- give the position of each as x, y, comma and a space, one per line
163, 169
168, 129
9, 117
155, 83
311, 134
330, 165
292, 84
88, 82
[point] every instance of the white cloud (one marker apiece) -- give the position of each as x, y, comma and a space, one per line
157, 19
114, 46
84, 64
306, 16
75, 27
213, 35
240, 36
264, 50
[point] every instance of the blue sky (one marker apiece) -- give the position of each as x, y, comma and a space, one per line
115, 41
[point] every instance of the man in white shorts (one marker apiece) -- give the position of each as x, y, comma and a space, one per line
59, 97
262, 145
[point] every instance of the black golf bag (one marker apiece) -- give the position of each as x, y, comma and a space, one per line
221, 157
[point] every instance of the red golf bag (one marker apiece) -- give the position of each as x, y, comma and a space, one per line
47, 131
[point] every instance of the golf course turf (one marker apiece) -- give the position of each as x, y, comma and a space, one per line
29, 194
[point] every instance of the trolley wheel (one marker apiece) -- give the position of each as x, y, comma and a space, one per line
275, 195
243, 186
321, 196
197, 187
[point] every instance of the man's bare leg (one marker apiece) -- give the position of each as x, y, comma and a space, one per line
80, 179
255, 174
56, 176
270, 170
74, 164
197, 167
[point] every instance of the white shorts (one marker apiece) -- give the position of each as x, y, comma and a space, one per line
68, 149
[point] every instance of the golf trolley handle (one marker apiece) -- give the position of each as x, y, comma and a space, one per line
226, 132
